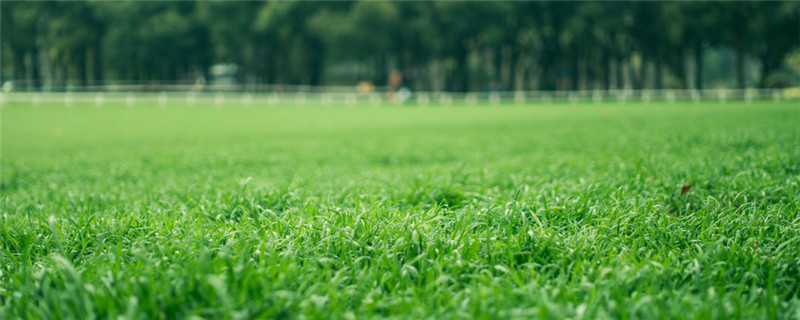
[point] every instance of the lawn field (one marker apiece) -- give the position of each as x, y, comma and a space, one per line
489, 212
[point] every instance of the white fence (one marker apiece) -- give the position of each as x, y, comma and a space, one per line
352, 97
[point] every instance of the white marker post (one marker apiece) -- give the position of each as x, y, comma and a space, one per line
445, 99
494, 98
219, 99
423, 99
519, 97
327, 99
99, 100
300, 99
671, 96
375, 99
68, 99
191, 99
247, 99
162, 99
471, 99
130, 100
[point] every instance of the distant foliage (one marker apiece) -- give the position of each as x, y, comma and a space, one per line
456, 46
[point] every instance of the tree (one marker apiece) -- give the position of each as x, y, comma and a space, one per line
234, 40
778, 35
21, 27
367, 31
72, 35
297, 54
455, 46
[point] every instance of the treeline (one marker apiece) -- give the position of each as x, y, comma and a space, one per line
456, 46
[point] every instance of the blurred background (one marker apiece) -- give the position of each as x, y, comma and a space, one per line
420, 46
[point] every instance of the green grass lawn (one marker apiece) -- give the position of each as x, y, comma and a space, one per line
535, 211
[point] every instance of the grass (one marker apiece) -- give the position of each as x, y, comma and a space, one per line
536, 211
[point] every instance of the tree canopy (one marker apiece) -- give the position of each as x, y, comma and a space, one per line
454, 46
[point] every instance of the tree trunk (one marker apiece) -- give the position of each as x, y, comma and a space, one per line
607, 73
613, 74
641, 75
513, 63
767, 67
681, 69
460, 74
316, 61
574, 73
30, 63
19, 65
549, 75
506, 67
495, 75
659, 76
46, 72
97, 68
82, 66
740, 69
698, 65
